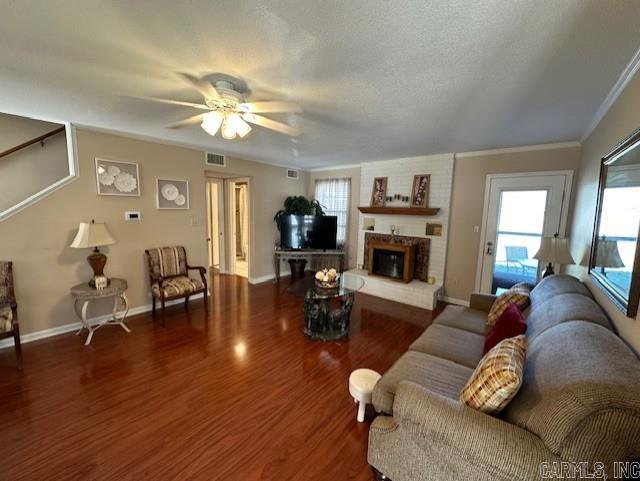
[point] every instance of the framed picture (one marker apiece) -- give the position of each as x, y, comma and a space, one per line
420, 191
379, 193
117, 178
172, 194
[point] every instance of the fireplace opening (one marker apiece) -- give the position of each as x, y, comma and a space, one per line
388, 263
392, 259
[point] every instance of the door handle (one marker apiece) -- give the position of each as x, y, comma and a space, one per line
489, 250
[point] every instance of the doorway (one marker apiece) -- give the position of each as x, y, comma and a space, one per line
519, 210
239, 221
215, 217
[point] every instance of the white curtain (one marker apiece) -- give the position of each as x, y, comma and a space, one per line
334, 195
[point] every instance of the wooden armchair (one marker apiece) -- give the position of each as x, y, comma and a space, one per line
9, 309
169, 278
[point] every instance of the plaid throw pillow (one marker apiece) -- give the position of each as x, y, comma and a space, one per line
497, 378
518, 295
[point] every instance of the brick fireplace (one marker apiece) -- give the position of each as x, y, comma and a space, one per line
415, 249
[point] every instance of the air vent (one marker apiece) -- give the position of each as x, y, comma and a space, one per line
293, 174
215, 159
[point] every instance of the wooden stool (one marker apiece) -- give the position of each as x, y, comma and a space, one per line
361, 384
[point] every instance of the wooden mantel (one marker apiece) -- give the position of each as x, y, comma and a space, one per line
424, 211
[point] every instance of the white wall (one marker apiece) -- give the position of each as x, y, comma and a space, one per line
400, 174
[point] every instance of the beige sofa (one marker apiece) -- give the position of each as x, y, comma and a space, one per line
579, 402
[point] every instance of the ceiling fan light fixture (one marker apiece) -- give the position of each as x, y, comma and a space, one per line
240, 126
211, 122
228, 130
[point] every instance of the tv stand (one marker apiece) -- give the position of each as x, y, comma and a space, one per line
282, 255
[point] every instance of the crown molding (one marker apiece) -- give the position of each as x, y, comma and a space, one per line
335, 167
524, 148
626, 76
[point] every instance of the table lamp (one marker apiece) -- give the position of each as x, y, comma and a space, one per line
607, 254
94, 234
554, 250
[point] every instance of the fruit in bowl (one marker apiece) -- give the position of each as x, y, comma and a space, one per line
327, 278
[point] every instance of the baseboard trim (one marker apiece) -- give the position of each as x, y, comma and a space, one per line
74, 326
457, 302
261, 279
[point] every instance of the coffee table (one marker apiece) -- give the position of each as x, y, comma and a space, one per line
327, 312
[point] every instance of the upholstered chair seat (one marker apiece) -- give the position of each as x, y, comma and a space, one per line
178, 286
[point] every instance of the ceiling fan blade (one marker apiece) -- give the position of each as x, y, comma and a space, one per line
175, 102
203, 86
196, 119
273, 106
271, 124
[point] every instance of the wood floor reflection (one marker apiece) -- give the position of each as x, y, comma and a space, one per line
240, 395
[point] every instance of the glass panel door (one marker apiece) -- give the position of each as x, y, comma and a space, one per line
518, 238
519, 210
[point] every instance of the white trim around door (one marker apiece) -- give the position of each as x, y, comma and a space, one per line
519, 177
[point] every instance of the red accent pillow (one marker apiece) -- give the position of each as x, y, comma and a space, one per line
509, 324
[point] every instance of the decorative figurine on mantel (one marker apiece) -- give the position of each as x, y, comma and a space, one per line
394, 232
94, 234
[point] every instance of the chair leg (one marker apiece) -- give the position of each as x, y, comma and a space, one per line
153, 305
162, 306
186, 302
18, 347
206, 301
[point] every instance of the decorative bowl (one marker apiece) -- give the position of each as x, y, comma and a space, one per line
327, 279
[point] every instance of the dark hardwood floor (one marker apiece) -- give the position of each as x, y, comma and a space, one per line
240, 395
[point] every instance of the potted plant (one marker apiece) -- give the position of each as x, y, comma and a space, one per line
298, 205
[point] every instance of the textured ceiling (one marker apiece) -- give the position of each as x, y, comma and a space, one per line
376, 79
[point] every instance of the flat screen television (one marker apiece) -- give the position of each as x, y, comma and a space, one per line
308, 231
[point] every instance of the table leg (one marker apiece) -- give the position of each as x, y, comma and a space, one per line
82, 314
85, 323
125, 305
276, 267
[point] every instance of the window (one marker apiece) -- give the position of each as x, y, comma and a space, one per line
334, 195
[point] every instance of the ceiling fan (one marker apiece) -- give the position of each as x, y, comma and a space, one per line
226, 110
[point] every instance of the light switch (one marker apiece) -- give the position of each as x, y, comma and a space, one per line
476, 228
132, 215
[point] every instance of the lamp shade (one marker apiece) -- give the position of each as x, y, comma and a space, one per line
92, 234
554, 250
607, 254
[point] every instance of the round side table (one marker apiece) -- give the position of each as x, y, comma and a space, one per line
83, 294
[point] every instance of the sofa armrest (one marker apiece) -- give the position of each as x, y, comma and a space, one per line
481, 302
463, 432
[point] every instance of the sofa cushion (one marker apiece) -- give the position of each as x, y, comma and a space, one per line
463, 318
509, 324
462, 347
554, 286
433, 373
497, 378
518, 295
178, 286
576, 371
563, 308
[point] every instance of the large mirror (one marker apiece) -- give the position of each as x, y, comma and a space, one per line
615, 254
